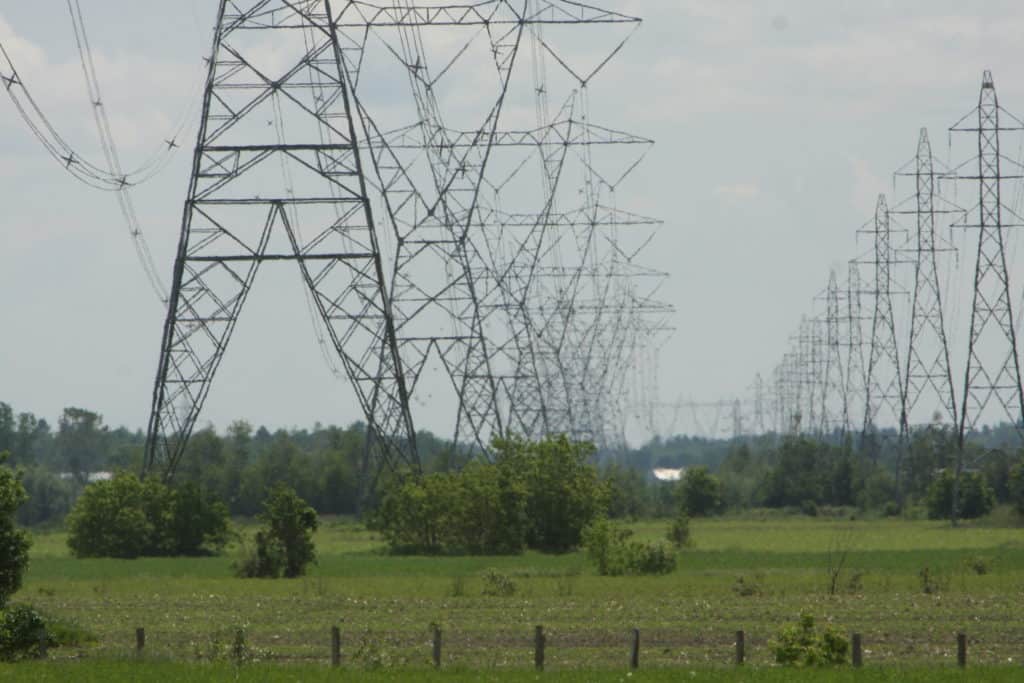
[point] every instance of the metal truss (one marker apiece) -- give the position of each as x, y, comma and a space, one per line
834, 411
993, 366
418, 244
927, 378
883, 390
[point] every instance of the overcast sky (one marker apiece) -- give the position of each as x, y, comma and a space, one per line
777, 123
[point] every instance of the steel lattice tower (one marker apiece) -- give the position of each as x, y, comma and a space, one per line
834, 405
883, 377
992, 331
927, 373
855, 378
238, 216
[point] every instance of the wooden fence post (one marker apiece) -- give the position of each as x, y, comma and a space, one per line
437, 646
538, 648
44, 642
335, 646
140, 640
961, 650
740, 648
634, 659
858, 651
238, 649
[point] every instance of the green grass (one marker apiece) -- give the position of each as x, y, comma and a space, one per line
385, 605
156, 672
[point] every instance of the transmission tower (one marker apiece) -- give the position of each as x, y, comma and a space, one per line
993, 365
927, 375
855, 378
834, 412
238, 216
399, 229
883, 377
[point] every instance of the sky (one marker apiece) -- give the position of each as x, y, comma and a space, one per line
777, 125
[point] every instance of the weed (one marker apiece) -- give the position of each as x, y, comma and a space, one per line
498, 585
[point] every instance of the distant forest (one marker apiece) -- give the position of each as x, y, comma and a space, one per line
324, 465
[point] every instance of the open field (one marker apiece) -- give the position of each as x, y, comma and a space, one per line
385, 605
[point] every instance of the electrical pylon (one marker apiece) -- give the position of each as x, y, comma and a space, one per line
855, 379
884, 393
992, 332
928, 375
834, 412
238, 215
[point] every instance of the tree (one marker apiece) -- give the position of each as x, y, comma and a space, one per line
81, 442
700, 492
976, 498
284, 545
1017, 487
127, 518
13, 541
564, 492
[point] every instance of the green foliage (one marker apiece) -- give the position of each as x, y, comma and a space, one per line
1016, 487
679, 532
800, 645
499, 585
22, 631
613, 553
479, 511
976, 498
284, 545
700, 492
126, 518
49, 496
564, 492
932, 582
13, 541
538, 494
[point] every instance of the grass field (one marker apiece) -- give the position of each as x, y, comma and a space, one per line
385, 606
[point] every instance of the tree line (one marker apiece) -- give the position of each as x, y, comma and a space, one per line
326, 466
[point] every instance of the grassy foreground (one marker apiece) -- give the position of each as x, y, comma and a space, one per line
114, 672
753, 574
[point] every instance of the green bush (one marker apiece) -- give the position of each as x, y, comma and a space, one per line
564, 492
1016, 487
613, 554
801, 645
498, 585
700, 492
22, 631
535, 494
284, 545
679, 532
14, 542
976, 498
126, 518
478, 511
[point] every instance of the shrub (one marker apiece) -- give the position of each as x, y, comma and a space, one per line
21, 631
498, 585
932, 582
650, 558
746, 588
976, 498
536, 494
284, 545
700, 492
679, 532
14, 542
1016, 487
126, 518
801, 645
611, 551
564, 492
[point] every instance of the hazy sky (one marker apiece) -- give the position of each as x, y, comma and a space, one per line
777, 125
